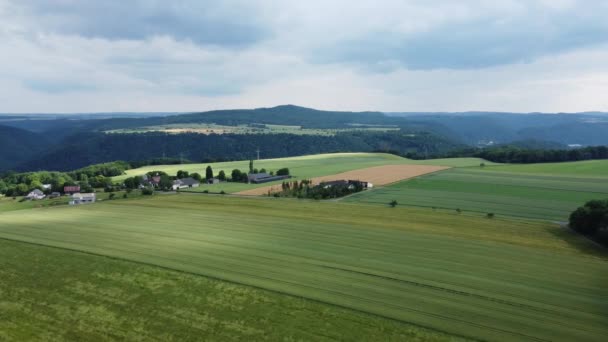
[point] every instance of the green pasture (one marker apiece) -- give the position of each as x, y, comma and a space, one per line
488, 279
60, 295
536, 196
587, 168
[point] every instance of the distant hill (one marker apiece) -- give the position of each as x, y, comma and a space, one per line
18, 145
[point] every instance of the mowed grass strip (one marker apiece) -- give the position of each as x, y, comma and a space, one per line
486, 279
512, 194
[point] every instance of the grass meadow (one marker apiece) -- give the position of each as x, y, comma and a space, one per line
462, 275
587, 168
536, 196
60, 295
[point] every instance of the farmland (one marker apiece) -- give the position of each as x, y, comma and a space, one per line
90, 298
304, 167
209, 128
460, 274
587, 168
537, 196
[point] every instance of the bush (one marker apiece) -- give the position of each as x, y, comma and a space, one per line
222, 192
283, 172
125, 195
393, 203
490, 215
206, 191
147, 191
112, 195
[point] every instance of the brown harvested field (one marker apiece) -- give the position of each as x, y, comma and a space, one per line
205, 131
377, 175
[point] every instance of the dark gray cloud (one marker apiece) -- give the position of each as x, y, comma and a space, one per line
225, 23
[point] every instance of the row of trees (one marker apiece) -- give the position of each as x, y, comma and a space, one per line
305, 189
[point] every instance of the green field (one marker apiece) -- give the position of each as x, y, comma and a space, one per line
538, 196
464, 275
85, 297
587, 168
304, 167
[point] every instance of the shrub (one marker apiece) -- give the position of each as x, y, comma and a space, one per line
490, 215
222, 192
393, 203
147, 191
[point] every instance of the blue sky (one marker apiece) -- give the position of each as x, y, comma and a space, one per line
433, 55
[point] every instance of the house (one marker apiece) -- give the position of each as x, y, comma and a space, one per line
213, 181
79, 198
258, 178
185, 183
151, 180
55, 195
71, 189
35, 195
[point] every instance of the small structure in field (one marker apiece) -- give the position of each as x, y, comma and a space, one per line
71, 189
258, 178
185, 183
213, 181
35, 194
350, 184
79, 198
55, 195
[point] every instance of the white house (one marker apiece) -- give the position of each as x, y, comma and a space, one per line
79, 198
186, 183
36, 194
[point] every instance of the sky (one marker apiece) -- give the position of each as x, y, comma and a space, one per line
194, 55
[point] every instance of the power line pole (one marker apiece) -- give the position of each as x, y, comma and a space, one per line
258, 151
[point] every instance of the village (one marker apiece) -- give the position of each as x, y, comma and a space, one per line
80, 193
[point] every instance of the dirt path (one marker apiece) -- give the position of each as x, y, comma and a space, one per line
377, 175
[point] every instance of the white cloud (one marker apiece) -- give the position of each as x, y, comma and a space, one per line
472, 55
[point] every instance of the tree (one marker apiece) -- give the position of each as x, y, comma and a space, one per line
590, 218
182, 174
482, 165
393, 203
165, 182
222, 175
283, 172
236, 175
209, 172
251, 166
197, 176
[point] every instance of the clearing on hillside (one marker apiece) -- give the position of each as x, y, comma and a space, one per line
377, 175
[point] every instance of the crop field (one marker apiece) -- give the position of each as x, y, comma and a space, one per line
458, 274
587, 168
537, 196
377, 175
85, 297
304, 167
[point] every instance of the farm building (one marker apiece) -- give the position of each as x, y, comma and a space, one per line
185, 183
264, 178
350, 183
151, 180
79, 198
35, 195
55, 195
213, 181
71, 189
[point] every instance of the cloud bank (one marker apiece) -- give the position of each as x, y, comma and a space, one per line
437, 55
